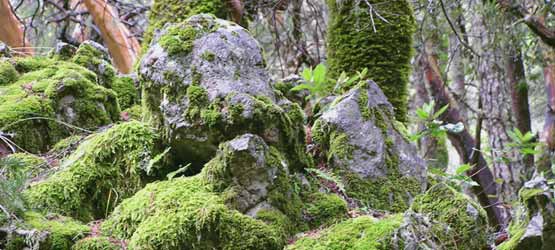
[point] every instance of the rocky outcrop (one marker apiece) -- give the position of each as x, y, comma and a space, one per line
533, 226
205, 82
363, 144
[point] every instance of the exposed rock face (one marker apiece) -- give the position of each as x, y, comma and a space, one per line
204, 83
361, 142
534, 225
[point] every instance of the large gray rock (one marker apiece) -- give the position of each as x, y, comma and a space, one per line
204, 82
362, 143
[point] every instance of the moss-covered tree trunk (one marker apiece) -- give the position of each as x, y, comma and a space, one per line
377, 35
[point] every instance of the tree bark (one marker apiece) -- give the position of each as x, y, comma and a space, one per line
11, 30
464, 143
123, 47
456, 68
547, 137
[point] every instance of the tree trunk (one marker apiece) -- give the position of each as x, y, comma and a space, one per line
456, 55
547, 137
464, 143
11, 30
494, 91
123, 47
80, 33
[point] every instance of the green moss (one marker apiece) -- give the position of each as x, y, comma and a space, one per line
360, 233
94, 60
8, 74
135, 112
184, 214
104, 169
97, 243
324, 209
467, 219
516, 231
127, 93
31, 164
208, 56
353, 45
30, 106
179, 39
67, 143
175, 11
63, 231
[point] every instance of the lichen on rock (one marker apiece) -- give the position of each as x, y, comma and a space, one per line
361, 144
199, 103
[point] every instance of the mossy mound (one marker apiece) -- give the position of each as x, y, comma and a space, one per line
175, 11
199, 91
361, 144
184, 214
95, 57
30, 164
127, 92
358, 39
97, 243
49, 98
466, 220
360, 233
105, 169
324, 209
52, 232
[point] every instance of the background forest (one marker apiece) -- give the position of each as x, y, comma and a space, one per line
460, 95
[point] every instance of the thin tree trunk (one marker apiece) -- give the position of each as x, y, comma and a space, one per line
456, 55
464, 143
547, 137
80, 33
123, 47
11, 30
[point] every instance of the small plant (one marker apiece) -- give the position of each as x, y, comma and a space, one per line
525, 143
432, 126
328, 177
316, 82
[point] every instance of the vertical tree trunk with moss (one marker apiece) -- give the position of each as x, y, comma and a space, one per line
377, 35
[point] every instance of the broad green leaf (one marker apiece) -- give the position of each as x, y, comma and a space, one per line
462, 169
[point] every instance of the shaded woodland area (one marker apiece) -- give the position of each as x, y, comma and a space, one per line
277, 124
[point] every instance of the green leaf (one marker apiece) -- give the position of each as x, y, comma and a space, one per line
179, 171
422, 114
319, 75
462, 169
440, 111
302, 86
307, 74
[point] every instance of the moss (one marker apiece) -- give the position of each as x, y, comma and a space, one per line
8, 74
63, 231
104, 169
386, 53
31, 164
175, 11
516, 231
97, 243
208, 56
96, 61
127, 93
179, 39
184, 214
360, 233
67, 143
135, 112
466, 219
324, 209
30, 106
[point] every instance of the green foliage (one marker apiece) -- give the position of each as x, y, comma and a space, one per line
360, 233
433, 127
358, 39
97, 243
327, 176
525, 143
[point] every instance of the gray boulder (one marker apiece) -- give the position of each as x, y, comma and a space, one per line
204, 82
362, 143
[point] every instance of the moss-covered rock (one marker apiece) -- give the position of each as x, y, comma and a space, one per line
361, 144
199, 103
96, 58
97, 243
467, 225
47, 96
175, 11
8, 74
51, 232
105, 169
127, 91
185, 214
360, 233
533, 224
358, 39
324, 209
